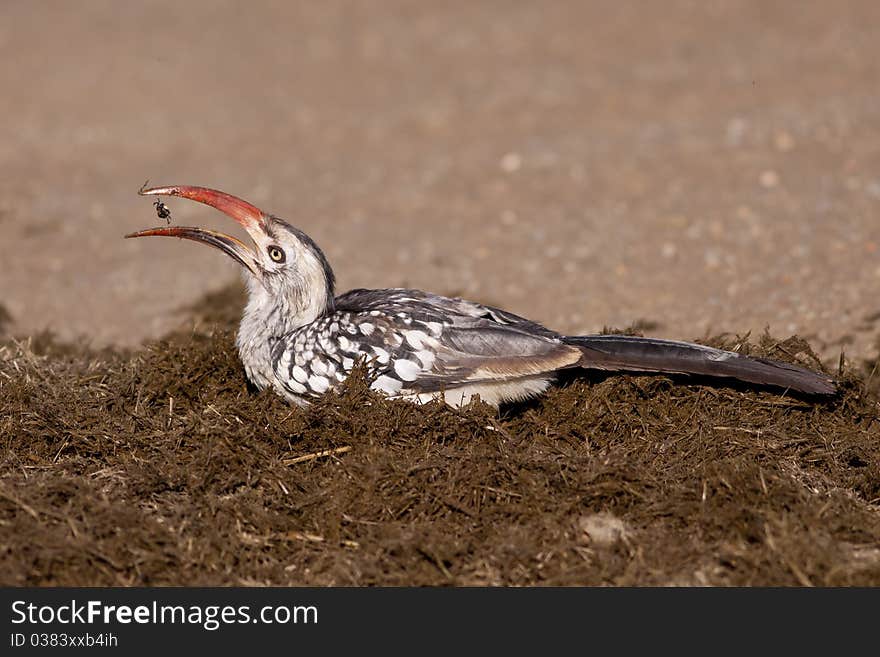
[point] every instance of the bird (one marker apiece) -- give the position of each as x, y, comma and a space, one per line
298, 338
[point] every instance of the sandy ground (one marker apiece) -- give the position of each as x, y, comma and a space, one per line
703, 166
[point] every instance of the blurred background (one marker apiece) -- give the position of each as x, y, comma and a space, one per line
696, 167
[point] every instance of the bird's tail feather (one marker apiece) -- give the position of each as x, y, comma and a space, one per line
621, 352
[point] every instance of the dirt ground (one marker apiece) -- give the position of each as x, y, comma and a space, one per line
160, 467
690, 168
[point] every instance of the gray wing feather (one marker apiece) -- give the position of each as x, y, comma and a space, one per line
483, 352
433, 307
469, 342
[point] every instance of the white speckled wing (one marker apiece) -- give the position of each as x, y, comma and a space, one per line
418, 344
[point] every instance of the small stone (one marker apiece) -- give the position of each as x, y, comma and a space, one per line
511, 162
769, 179
668, 250
602, 530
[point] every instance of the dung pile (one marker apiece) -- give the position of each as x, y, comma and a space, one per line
161, 467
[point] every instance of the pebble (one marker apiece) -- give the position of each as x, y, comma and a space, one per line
511, 162
769, 179
602, 530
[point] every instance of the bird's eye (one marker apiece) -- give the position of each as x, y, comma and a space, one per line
276, 254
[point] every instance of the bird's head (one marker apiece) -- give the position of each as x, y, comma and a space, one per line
285, 266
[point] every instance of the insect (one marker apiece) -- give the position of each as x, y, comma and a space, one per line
162, 211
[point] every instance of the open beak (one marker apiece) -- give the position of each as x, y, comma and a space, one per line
250, 217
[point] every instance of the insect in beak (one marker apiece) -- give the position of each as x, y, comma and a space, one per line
162, 211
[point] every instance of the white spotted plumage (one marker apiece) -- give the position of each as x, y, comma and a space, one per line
298, 373
381, 355
406, 369
405, 354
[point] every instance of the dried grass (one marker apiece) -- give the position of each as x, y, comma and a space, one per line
161, 467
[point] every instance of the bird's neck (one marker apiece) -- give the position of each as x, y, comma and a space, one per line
269, 317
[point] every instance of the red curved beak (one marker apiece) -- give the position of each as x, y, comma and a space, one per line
250, 217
